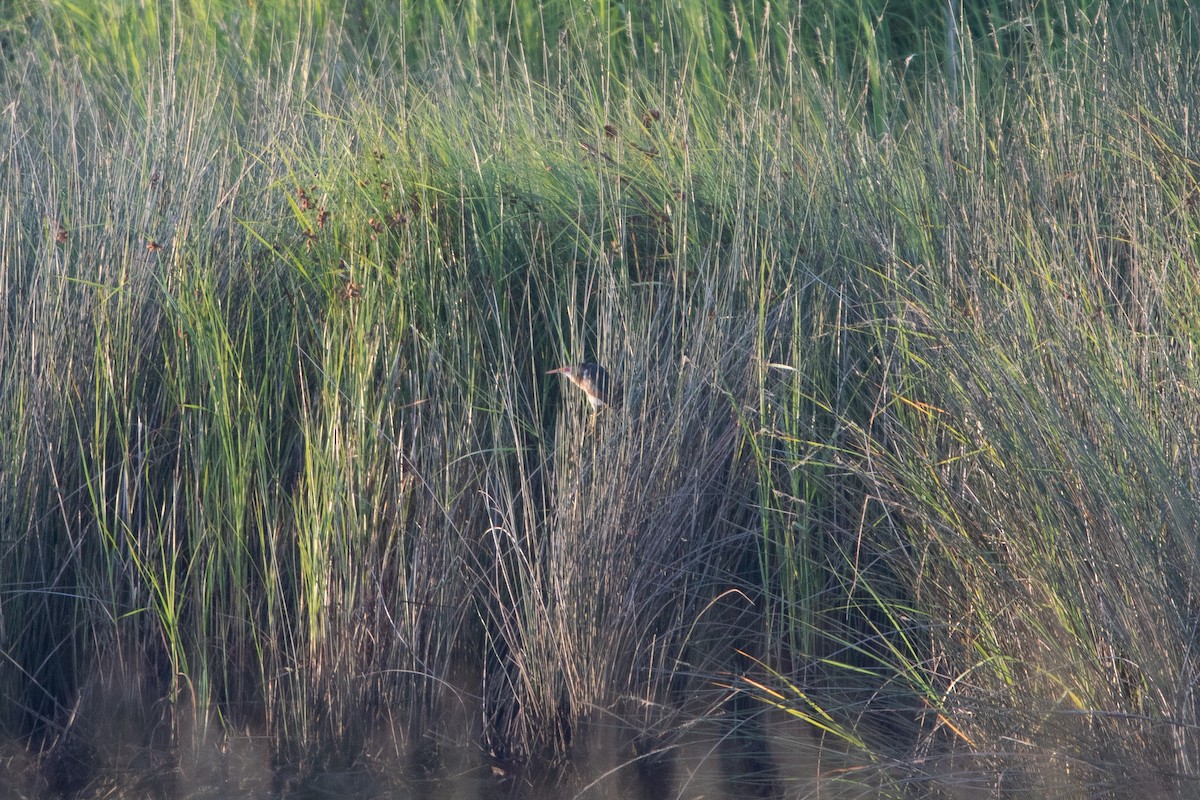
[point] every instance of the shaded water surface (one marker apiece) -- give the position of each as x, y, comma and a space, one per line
718, 756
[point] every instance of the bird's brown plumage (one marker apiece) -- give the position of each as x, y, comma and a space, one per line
601, 388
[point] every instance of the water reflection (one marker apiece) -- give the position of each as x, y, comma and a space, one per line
122, 740
730, 755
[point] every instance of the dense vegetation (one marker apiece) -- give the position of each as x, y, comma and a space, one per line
904, 300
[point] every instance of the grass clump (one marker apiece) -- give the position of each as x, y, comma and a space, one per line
903, 452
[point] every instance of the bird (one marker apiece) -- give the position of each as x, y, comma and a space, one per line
601, 389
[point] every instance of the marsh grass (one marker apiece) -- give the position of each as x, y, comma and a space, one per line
905, 453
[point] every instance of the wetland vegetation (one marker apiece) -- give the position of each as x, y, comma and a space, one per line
900, 498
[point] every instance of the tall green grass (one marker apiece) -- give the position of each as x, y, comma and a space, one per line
907, 347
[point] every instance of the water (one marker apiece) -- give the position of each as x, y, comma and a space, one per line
766, 755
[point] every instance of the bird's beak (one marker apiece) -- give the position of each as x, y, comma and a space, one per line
560, 369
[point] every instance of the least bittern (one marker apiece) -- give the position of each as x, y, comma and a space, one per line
601, 389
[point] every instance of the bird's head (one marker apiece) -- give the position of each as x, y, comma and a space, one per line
570, 370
